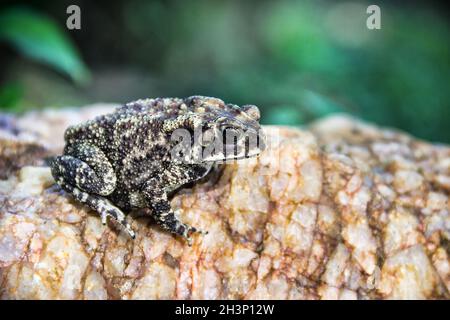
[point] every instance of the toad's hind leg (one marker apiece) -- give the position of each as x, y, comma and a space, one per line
101, 205
88, 176
86, 167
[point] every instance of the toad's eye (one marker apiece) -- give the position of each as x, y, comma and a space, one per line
230, 134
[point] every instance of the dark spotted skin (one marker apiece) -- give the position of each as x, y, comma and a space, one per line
122, 161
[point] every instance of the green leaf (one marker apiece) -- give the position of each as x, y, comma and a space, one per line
39, 38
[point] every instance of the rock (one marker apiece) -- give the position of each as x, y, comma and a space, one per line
343, 210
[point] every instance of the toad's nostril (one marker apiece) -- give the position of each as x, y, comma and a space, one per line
252, 111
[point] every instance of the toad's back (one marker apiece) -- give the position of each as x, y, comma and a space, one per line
120, 133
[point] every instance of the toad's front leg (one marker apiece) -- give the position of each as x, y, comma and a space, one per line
156, 191
85, 172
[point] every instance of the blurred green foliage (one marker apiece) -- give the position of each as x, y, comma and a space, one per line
37, 37
10, 95
297, 60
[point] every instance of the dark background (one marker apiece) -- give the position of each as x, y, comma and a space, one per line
297, 60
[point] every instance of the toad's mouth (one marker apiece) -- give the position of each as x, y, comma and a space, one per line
248, 147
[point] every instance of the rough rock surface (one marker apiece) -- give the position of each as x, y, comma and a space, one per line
345, 210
